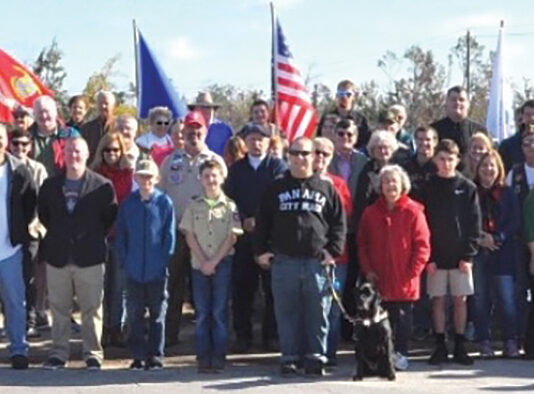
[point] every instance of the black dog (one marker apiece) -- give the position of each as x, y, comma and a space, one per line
372, 335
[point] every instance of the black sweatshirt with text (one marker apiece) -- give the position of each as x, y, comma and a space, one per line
300, 218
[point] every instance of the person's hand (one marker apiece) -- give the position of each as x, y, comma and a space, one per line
327, 258
207, 268
249, 224
464, 266
431, 268
372, 277
264, 260
487, 241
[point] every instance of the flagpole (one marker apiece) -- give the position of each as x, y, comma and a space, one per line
136, 54
273, 72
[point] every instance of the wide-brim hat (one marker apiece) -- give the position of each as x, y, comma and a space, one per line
203, 99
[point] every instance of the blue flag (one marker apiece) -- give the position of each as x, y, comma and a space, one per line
154, 88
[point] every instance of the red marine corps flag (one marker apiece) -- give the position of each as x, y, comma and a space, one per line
18, 86
294, 113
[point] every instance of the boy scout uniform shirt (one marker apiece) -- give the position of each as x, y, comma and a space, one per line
211, 224
179, 177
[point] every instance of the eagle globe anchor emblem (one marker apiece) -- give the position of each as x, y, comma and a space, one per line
23, 85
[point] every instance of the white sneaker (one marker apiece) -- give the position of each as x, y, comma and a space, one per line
401, 362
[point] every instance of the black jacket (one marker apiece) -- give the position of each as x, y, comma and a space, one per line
22, 195
80, 236
300, 218
454, 218
459, 132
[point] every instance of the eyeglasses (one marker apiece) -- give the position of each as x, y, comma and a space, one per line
345, 133
322, 153
303, 153
344, 93
110, 150
161, 123
20, 143
194, 134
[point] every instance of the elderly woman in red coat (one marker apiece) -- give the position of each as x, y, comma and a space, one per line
394, 248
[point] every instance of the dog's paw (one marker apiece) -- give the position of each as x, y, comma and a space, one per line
392, 377
357, 378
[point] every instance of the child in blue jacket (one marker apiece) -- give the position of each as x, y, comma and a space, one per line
145, 243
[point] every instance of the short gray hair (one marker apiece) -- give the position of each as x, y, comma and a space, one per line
44, 101
154, 112
380, 136
393, 169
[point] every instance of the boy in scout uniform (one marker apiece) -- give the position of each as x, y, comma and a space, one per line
210, 224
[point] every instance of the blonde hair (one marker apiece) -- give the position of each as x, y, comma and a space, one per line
107, 139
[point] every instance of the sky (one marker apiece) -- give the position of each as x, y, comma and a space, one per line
201, 42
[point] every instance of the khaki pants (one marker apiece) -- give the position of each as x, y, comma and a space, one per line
88, 285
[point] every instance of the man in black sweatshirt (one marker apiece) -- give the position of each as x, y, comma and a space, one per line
300, 227
454, 218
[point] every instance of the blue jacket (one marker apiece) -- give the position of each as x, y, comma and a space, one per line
501, 218
145, 236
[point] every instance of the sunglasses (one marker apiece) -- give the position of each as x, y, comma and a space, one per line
110, 150
161, 123
194, 134
322, 153
344, 93
345, 133
303, 153
20, 143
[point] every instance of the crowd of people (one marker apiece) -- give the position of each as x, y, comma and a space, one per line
128, 227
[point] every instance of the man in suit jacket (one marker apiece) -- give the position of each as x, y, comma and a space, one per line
93, 130
77, 208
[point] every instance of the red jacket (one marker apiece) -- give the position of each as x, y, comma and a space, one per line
346, 201
395, 245
121, 178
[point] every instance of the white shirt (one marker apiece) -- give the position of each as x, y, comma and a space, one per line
149, 139
255, 161
6, 248
529, 171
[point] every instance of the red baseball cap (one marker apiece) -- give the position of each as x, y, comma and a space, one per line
194, 118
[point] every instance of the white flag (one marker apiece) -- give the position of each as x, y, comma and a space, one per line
500, 117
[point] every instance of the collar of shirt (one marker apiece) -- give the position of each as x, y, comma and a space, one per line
255, 161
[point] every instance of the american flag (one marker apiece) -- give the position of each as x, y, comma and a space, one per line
294, 111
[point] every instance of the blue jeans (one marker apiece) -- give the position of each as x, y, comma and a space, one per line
151, 295
211, 295
301, 301
114, 292
491, 289
334, 318
14, 300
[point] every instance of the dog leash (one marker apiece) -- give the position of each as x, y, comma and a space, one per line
330, 277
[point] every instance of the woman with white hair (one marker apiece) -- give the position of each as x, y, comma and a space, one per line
157, 141
381, 148
393, 249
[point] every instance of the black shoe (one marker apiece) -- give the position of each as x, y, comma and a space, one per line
137, 365
54, 363
19, 361
460, 355
314, 369
32, 332
440, 355
154, 363
41, 321
93, 364
203, 366
331, 363
288, 369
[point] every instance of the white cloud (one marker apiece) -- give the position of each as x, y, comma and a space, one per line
181, 48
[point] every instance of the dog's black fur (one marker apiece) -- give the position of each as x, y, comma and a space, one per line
373, 342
